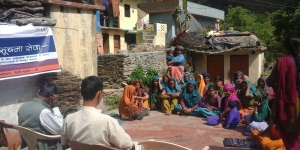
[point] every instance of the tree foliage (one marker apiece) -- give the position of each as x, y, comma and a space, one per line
259, 24
270, 28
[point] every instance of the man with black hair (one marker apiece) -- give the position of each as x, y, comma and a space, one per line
43, 115
89, 125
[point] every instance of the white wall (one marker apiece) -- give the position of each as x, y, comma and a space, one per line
13, 93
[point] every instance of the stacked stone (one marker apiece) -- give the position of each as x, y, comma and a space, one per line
68, 87
115, 70
22, 12
191, 40
110, 70
16, 9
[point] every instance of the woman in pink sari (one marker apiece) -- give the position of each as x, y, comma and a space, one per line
177, 64
230, 104
285, 81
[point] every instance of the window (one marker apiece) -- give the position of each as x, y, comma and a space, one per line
127, 10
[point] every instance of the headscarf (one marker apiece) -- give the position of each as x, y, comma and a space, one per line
201, 85
252, 88
205, 74
267, 89
152, 85
191, 99
175, 89
234, 77
141, 89
162, 81
232, 97
183, 81
137, 81
128, 94
210, 84
261, 95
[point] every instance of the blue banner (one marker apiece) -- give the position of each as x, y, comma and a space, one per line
26, 46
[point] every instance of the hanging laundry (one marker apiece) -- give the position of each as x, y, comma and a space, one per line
115, 7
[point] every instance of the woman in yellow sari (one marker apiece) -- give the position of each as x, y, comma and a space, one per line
170, 96
201, 84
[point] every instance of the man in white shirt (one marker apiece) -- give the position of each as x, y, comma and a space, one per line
89, 125
43, 115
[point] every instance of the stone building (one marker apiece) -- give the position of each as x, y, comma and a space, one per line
76, 44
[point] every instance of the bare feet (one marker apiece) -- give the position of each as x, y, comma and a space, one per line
218, 126
167, 113
179, 113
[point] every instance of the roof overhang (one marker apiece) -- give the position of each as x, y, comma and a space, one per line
74, 4
234, 49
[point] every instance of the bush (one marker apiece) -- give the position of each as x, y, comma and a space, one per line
113, 102
144, 76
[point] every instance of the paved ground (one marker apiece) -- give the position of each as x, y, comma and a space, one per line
188, 131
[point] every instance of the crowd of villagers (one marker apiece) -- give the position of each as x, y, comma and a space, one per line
270, 109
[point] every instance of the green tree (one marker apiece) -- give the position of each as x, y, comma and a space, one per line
259, 24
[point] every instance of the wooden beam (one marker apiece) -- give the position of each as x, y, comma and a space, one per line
74, 4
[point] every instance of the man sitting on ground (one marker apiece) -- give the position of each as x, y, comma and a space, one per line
89, 125
42, 115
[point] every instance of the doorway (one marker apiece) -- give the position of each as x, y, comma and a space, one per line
215, 66
105, 43
116, 43
239, 63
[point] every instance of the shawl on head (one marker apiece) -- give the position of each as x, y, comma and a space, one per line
201, 85
175, 89
234, 77
162, 81
267, 89
183, 81
210, 84
141, 89
232, 97
152, 85
191, 99
262, 95
205, 74
287, 92
252, 88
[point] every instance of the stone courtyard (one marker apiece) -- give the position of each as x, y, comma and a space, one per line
188, 131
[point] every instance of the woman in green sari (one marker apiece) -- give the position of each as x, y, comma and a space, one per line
154, 93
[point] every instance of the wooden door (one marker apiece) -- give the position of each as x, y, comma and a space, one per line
215, 66
239, 63
105, 43
116, 43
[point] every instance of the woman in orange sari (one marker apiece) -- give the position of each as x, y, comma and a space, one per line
128, 109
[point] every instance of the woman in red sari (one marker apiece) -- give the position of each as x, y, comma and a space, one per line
285, 80
140, 95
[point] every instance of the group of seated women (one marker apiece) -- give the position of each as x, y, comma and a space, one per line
231, 104
240, 101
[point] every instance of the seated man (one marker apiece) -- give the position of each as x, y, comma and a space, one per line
42, 115
89, 125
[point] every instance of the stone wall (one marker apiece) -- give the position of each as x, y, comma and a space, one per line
115, 70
